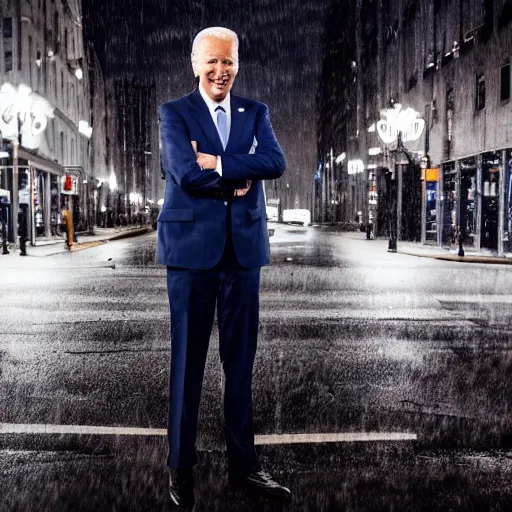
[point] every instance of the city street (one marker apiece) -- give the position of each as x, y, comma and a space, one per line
353, 340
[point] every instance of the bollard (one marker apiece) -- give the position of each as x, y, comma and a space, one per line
461, 244
5, 248
23, 229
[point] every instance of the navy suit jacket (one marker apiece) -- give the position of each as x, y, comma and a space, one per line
193, 221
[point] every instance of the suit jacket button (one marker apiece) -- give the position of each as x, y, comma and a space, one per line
225, 203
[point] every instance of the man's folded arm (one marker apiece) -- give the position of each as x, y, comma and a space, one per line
267, 162
178, 159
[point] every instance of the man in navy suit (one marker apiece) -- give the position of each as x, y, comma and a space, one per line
212, 236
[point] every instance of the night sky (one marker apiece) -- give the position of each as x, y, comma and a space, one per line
280, 61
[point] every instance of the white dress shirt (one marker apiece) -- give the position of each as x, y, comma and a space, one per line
212, 105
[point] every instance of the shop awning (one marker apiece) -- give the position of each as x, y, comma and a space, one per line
41, 163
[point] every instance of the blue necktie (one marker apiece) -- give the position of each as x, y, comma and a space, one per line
222, 125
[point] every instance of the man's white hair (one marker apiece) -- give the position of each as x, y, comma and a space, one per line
219, 33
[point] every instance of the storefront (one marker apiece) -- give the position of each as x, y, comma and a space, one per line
447, 212
475, 204
431, 203
45, 211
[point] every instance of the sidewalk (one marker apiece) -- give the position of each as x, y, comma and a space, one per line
48, 246
439, 253
425, 251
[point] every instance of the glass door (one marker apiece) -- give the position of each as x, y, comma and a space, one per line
491, 163
468, 217
449, 198
431, 213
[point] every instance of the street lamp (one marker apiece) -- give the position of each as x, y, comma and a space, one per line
400, 126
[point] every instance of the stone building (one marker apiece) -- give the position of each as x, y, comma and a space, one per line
448, 61
43, 62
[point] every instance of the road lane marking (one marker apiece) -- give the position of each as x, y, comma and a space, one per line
342, 437
35, 428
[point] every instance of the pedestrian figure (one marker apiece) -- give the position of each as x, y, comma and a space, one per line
118, 223
212, 236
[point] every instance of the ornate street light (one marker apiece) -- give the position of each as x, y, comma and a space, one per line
399, 126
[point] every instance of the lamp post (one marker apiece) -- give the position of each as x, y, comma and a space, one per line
393, 235
400, 126
145, 183
15, 178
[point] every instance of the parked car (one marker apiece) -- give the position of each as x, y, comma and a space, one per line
297, 216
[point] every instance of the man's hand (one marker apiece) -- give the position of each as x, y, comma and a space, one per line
206, 161
242, 191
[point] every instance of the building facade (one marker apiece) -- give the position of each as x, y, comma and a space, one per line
42, 62
450, 63
134, 156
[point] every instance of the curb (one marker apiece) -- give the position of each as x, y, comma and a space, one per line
92, 243
130, 233
489, 260
461, 259
85, 245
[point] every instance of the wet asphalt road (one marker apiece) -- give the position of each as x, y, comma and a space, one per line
352, 339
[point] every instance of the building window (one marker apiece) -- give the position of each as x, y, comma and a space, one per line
55, 78
38, 64
30, 57
450, 103
8, 61
56, 31
505, 83
61, 88
71, 108
480, 92
7, 28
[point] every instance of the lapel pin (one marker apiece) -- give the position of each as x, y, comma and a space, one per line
241, 109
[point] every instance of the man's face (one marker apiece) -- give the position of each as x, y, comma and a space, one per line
215, 60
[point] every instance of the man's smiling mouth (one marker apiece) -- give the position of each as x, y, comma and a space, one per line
219, 83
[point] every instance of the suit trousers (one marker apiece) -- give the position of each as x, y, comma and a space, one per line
193, 296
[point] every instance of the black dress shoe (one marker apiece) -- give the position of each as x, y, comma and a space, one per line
181, 488
260, 482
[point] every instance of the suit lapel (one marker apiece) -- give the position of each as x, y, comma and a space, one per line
238, 118
201, 112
